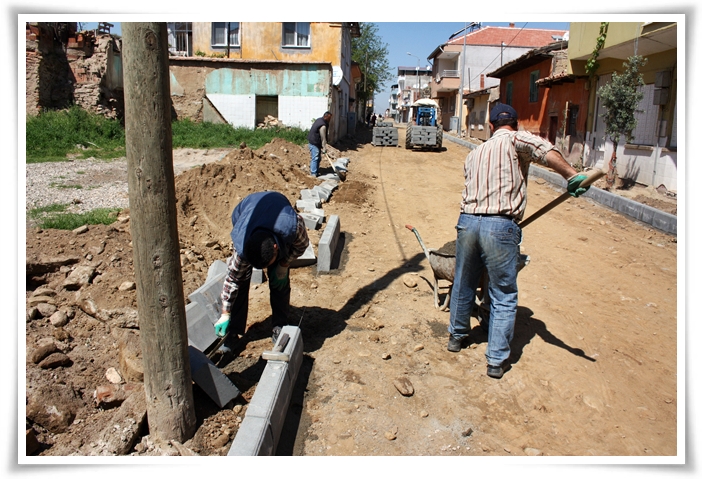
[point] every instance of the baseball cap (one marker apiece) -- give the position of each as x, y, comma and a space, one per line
502, 111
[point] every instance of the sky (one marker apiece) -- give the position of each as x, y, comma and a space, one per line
421, 38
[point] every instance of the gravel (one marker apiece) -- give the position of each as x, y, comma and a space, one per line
84, 185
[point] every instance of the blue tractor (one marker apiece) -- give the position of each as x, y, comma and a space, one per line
424, 129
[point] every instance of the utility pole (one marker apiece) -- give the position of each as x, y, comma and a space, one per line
460, 91
419, 85
154, 230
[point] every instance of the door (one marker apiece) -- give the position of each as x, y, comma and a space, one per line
266, 106
598, 140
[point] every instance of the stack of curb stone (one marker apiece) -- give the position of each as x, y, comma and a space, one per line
384, 134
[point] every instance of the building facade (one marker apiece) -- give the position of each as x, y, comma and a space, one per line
460, 65
551, 102
650, 158
244, 72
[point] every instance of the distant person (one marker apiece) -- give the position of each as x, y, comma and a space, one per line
373, 118
368, 118
493, 201
317, 141
266, 233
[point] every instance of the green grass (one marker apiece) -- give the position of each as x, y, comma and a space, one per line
76, 133
53, 135
55, 217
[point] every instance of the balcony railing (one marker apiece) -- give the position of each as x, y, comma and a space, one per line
448, 74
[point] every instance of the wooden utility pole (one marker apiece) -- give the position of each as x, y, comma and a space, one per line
154, 229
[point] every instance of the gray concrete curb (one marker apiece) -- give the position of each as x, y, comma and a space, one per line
660, 220
327, 244
260, 430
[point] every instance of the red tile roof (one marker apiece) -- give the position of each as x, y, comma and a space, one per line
512, 36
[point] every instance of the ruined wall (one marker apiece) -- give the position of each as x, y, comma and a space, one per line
65, 68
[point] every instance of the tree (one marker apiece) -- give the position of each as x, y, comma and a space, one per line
620, 98
371, 54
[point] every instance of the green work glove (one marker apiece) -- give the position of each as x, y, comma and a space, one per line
222, 325
574, 187
278, 277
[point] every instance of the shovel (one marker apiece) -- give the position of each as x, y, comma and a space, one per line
592, 176
341, 174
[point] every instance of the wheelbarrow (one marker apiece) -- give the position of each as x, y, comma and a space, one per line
443, 266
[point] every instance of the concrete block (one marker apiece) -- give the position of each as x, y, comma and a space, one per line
322, 193
343, 162
330, 176
208, 295
260, 430
216, 269
303, 205
200, 327
315, 211
312, 221
257, 276
254, 438
307, 258
331, 185
310, 194
327, 243
206, 375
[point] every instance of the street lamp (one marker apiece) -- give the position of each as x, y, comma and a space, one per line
418, 83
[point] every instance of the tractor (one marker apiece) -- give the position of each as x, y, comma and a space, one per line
424, 129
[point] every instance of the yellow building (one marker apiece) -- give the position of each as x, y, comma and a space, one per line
651, 156
248, 71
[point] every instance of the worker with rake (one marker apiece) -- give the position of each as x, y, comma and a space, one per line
488, 233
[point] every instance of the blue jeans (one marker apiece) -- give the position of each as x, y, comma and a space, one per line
314, 162
490, 242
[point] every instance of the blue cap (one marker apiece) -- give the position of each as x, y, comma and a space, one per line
502, 111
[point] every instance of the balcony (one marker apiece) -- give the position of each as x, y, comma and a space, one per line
446, 83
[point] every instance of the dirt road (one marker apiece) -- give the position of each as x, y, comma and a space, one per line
594, 356
594, 360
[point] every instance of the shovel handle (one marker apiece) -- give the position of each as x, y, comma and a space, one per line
592, 176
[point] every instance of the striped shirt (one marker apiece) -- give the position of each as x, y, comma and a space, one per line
496, 173
239, 270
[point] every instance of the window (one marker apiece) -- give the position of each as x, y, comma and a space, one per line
180, 35
296, 34
508, 93
533, 89
225, 34
572, 119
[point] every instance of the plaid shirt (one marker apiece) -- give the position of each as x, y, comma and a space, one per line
496, 173
240, 270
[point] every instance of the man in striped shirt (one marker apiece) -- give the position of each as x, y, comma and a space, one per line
266, 233
494, 201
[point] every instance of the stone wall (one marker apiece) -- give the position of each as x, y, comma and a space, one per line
65, 67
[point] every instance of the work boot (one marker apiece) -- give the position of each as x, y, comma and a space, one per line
495, 371
454, 345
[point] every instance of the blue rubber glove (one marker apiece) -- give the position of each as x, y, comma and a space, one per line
279, 277
574, 188
222, 325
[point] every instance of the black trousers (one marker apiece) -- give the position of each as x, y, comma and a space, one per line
280, 306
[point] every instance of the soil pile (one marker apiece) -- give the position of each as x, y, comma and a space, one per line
82, 310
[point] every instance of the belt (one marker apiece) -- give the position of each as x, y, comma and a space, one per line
507, 217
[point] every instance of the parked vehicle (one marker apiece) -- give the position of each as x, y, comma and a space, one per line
424, 130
